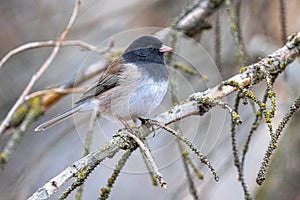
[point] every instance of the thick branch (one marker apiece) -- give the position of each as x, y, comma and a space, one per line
195, 18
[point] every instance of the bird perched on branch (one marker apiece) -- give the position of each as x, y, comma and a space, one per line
132, 86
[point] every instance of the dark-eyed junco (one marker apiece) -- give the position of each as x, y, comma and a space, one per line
132, 86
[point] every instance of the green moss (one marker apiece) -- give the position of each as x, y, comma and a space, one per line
199, 174
110, 180
74, 184
274, 145
81, 174
269, 61
153, 181
271, 93
3, 158
205, 77
104, 190
257, 113
173, 25
233, 26
19, 115
185, 153
282, 65
242, 69
262, 105
234, 115
268, 117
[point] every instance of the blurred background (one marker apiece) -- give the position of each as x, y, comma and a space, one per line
41, 156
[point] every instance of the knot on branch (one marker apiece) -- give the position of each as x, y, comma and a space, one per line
124, 140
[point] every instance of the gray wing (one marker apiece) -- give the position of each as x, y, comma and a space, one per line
108, 80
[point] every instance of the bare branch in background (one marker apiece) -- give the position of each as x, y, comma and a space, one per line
39, 102
42, 69
49, 43
195, 18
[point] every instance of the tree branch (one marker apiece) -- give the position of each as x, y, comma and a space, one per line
195, 18
49, 43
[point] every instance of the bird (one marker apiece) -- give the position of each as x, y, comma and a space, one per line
131, 87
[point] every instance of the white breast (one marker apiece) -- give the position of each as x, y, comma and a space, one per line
147, 97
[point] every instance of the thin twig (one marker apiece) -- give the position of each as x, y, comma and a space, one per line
86, 147
273, 143
11, 144
49, 43
189, 70
185, 158
217, 46
42, 69
150, 160
236, 32
282, 9
203, 158
105, 191
55, 90
232, 112
152, 176
237, 163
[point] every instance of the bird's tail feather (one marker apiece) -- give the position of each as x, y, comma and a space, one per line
58, 118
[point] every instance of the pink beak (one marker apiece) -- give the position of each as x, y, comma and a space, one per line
165, 48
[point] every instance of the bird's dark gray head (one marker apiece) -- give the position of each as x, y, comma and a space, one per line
145, 42
146, 49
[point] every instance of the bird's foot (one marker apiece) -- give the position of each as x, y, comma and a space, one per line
148, 123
